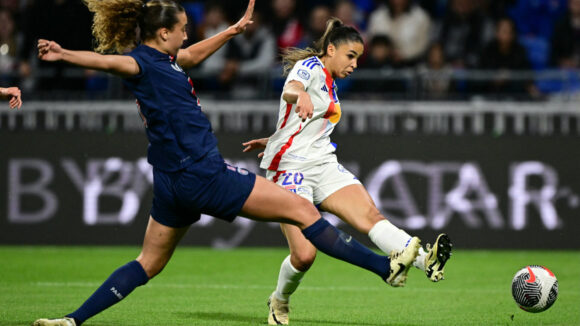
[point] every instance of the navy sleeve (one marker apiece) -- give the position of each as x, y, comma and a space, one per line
140, 62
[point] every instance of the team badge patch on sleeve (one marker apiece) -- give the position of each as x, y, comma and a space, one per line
303, 74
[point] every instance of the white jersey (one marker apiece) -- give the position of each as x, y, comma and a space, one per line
297, 144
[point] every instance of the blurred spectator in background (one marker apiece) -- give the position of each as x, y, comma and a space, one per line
11, 5
8, 49
380, 61
286, 24
381, 53
565, 53
436, 74
435, 8
66, 20
463, 33
406, 24
496, 9
316, 25
505, 54
348, 13
214, 22
249, 58
535, 21
536, 17
566, 38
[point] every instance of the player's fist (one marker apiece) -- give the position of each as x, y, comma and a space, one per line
49, 50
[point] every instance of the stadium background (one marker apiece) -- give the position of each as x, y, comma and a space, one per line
446, 138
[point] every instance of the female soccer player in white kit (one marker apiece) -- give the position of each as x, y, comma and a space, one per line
300, 157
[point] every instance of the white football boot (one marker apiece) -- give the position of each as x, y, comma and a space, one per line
55, 322
437, 256
401, 261
279, 310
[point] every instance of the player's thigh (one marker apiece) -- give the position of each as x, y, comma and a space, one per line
302, 252
353, 205
158, 246
270, 202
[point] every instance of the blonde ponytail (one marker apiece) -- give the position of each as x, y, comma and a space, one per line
115, 24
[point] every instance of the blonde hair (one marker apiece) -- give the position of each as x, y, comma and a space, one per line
336, 33
115, 21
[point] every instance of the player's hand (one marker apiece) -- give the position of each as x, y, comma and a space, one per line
13, 94
49, 50
255, 144
241, 25
304, 107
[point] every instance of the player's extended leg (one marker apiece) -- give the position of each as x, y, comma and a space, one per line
293, 268
354, 205
270, 202
158, 246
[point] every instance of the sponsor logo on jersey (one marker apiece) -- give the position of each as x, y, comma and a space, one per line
303, 74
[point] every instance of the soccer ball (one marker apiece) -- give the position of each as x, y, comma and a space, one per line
535, 288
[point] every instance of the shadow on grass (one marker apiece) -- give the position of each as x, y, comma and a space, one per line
225, 316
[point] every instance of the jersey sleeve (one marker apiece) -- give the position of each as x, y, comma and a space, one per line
303, 73
140, 61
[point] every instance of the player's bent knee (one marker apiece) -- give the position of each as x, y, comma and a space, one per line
152, 268
302, 260
306, 209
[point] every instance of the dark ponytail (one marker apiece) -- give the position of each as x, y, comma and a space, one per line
336, 33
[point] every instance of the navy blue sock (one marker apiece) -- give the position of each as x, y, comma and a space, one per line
340, 245
122, 282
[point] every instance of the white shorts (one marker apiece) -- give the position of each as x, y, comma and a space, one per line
314, 183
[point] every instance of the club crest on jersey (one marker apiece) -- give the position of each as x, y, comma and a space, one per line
303, 74
176, 67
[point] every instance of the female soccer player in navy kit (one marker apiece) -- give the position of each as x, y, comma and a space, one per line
190, 176
300, 157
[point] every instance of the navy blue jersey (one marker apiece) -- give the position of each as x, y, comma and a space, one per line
179, 133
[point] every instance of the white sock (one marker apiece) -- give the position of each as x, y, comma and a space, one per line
388, 237
288, 280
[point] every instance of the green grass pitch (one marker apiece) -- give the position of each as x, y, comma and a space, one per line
209, 287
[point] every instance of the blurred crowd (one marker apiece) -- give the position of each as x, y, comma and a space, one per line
419, 49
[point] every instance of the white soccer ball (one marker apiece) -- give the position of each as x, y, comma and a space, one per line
535, 288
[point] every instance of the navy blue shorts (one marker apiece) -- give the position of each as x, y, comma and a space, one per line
208, 186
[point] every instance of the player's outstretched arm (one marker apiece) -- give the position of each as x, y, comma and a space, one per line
116, 64
254, 144
196, 53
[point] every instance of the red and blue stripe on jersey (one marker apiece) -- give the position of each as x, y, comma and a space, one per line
333, 112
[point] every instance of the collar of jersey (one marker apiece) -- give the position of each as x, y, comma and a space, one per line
156, 53
326, 72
